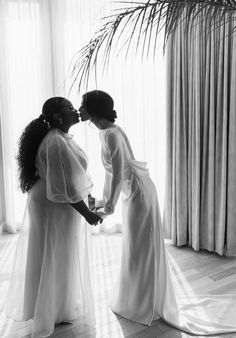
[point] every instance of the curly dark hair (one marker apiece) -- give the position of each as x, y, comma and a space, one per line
30, 140
28, 146
99, 104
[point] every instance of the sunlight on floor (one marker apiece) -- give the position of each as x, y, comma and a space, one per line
182, 286
106, 260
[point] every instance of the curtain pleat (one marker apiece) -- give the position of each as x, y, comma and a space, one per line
200, 183
231, 167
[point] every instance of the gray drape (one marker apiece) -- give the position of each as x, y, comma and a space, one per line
200, 195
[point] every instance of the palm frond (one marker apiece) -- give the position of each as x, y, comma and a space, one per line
140, 22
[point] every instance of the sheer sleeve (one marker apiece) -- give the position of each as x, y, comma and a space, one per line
66, 179
115, 149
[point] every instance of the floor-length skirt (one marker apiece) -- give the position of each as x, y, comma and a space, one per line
51, 280
144, 291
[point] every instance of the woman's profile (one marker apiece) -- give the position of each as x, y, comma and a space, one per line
145, 291
51, 280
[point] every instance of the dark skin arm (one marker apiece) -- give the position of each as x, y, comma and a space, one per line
91, 217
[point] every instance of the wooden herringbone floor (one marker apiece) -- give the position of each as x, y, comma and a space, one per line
201, 272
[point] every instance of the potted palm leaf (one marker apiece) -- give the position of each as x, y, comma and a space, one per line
139, 23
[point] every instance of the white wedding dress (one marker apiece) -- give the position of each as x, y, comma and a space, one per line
144, 291
51, 280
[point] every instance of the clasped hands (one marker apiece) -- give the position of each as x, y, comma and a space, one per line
95, 205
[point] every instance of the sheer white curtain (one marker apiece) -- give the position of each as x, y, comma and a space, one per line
25, 81
38, 41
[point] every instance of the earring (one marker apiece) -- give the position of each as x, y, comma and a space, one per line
60, 121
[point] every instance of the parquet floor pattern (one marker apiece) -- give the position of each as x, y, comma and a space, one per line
200, 272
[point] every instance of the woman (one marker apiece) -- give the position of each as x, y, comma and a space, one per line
51, 280
144, 291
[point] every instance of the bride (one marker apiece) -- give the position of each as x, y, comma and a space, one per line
144, 290
51, 279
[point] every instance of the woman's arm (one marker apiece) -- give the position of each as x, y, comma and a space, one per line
117, 161
66, 179
91, 217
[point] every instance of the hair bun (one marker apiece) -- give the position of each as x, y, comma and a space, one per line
114, 113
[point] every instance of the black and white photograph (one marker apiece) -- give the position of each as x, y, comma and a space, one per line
117, 168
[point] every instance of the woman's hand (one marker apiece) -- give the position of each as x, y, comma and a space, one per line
95, 204
93, 219
91, 202
101, 213
109, 208
99, 204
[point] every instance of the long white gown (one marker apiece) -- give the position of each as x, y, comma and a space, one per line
51, 279
144, 291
